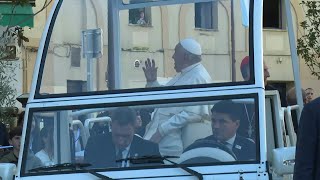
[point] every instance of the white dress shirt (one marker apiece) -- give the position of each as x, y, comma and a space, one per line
125, 154
229, 143
45, 159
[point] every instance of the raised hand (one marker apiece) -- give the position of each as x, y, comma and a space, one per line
150, 70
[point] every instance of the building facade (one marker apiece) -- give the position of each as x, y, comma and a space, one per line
156, 38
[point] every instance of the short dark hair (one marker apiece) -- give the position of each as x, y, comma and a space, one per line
103, 114
17, 131
123, 116
309, 89
228, 107
45, 132
20, 119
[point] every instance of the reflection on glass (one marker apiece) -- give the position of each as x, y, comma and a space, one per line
145, 32
46, 154
195, 132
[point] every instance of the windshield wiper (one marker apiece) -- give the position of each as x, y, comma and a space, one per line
159, 159
71, 166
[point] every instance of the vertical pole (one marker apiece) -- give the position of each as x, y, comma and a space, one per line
89, 74
294, 57
114, 67
233, 60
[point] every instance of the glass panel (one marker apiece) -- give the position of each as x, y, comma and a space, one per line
191, 44
207, 132
68, 62
207, 58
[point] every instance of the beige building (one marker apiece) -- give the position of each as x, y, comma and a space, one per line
163, 28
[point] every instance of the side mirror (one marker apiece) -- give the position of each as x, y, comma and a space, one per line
7, 171
284, 160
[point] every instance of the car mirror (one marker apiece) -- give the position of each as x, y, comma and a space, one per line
7, 171
284, 160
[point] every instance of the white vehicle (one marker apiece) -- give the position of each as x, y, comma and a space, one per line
90, 63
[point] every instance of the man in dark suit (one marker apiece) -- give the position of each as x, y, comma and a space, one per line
225, 123
103, 150
307, 161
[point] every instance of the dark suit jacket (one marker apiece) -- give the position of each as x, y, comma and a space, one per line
307, 161
243, 148
101, 153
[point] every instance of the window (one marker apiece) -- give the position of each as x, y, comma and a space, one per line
74, 86
75, 56
202, 125
140, 16
272, 14
206, 15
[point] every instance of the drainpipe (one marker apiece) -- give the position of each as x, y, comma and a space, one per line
24, 71
233, 59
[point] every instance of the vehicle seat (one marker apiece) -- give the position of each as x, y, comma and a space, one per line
195, 131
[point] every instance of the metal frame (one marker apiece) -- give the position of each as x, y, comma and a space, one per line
114, 53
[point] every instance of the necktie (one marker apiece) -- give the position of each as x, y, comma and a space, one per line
119, 156
228, 145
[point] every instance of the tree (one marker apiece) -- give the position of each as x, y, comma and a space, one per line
7, 91
309, 43
7, 68
12, 33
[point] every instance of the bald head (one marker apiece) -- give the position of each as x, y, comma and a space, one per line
292, 98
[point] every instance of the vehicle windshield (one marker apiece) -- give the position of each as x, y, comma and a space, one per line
108, 136
192, 45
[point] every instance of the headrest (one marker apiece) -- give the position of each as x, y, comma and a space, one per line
191, 46
244, 62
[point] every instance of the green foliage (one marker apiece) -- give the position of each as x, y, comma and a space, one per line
308, 45
20, 2
7, 72
7, 91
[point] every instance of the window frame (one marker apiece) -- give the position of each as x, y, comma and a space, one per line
114, 54
147, 13
214, 16
281, 16
59, 101
75, 58
174, 98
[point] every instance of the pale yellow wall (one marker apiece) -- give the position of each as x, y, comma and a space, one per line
170, 25
307, 79
277, 53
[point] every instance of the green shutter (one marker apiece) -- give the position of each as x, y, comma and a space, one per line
21, 15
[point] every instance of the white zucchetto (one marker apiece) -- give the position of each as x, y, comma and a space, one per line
191, 46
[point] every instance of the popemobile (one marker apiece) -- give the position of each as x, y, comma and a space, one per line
152, 89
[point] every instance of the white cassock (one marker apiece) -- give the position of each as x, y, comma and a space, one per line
170, 121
